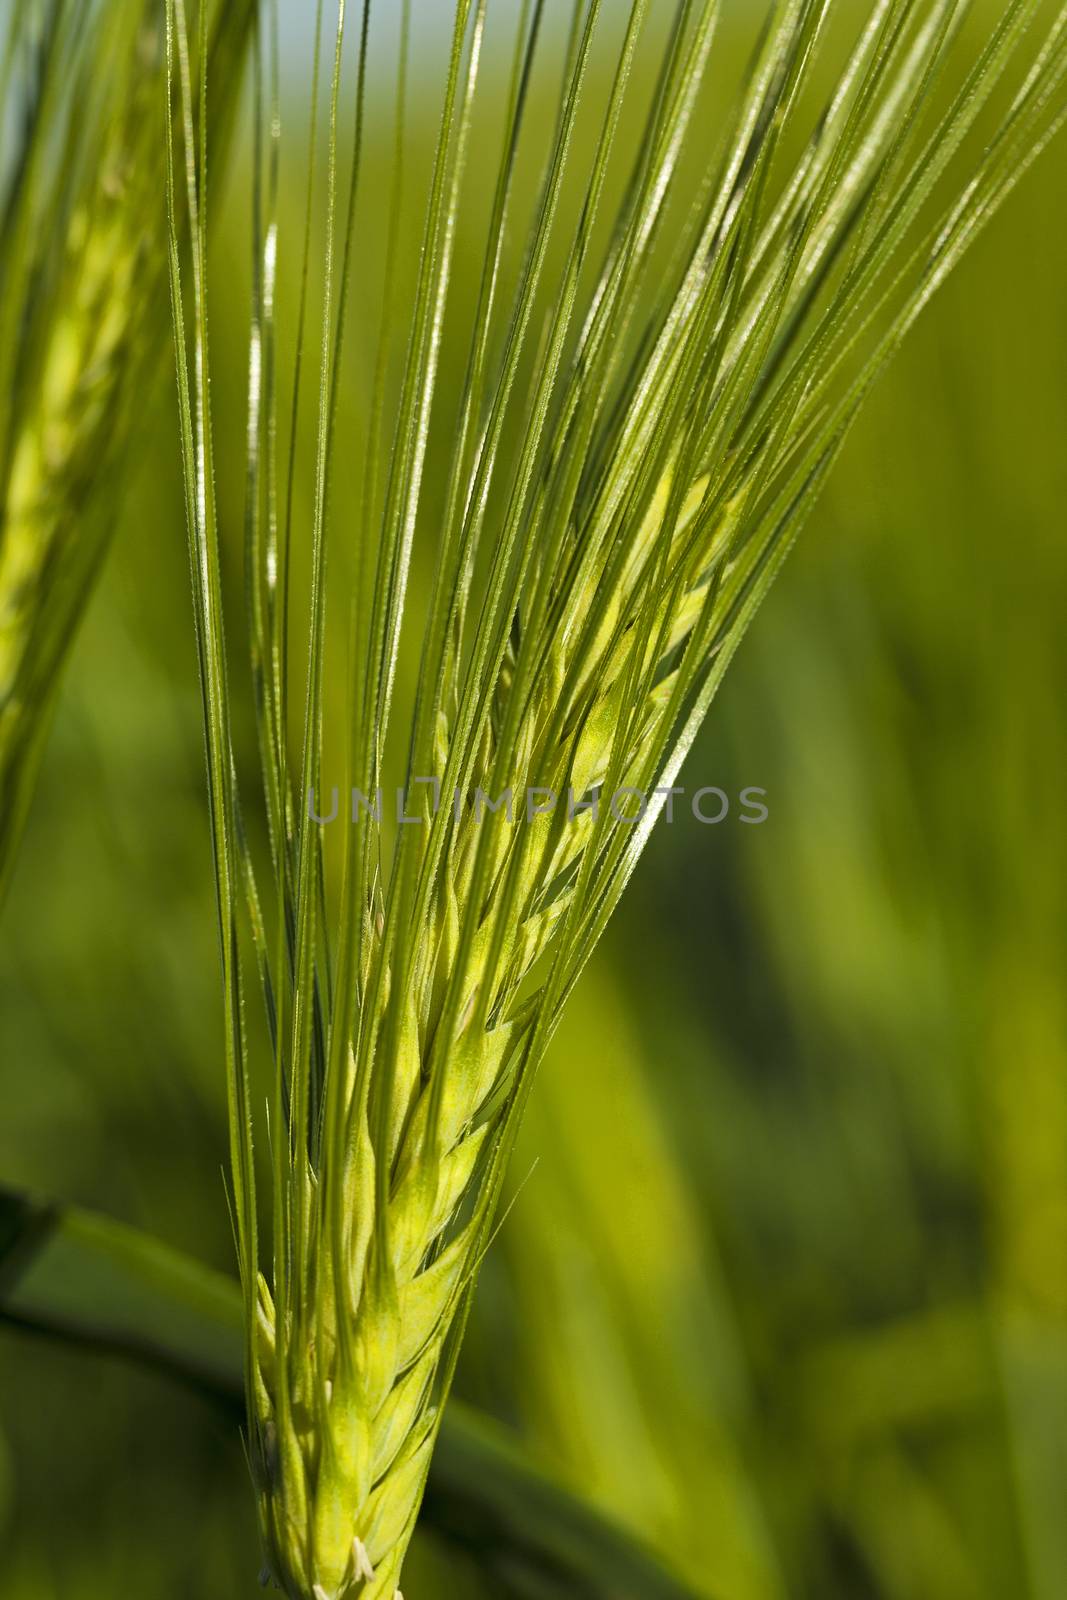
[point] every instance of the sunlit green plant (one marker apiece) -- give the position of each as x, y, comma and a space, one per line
82, 307
642, 428
74, 237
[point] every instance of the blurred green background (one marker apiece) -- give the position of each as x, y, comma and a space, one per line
784, 1282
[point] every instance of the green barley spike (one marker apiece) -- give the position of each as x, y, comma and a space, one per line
647, 404
82, 280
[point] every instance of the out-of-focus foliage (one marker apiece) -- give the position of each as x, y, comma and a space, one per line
82, 321
786, 1288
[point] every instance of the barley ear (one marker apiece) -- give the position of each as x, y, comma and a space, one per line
632, 439
83, 272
